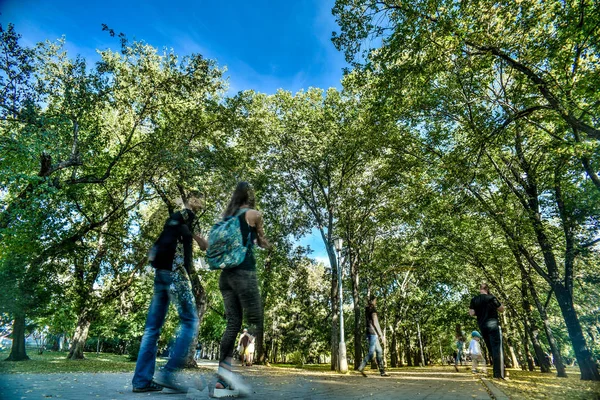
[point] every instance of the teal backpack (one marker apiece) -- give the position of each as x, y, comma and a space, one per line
225, 243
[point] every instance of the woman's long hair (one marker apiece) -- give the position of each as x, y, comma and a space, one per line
243, 194
371, 303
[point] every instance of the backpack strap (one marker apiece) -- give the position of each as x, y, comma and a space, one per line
241, 211
249, 238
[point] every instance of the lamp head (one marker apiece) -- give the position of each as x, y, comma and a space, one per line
338, 243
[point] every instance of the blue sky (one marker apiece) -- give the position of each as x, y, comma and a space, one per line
266, 45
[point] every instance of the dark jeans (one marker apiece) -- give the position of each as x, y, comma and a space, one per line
240, 297
166, 284
460, 346
492, 335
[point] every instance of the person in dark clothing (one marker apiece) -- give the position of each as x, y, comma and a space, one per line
171, 256
460, 346
373, 334
239, 287
486, 307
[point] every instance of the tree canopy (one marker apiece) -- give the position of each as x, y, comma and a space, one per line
463, 147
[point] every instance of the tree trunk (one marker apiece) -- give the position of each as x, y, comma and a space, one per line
267, 351
587, 366
190, 360
420, 345
564, 296
79, 338
509, 341
558, 360
527, 282
261, 350
384, 346
408, 350
530, 329
200, 298
394, 351
357, 316
522, 349
539, 353
335, 314
416, 357
401, 353
528, 357
17, 351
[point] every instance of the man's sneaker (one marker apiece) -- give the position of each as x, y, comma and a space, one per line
151, 387
384, 374
235, 381
201, 383
195, 394
361, 369
169, 380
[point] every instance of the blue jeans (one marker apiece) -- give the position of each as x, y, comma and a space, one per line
167, 285
374, 348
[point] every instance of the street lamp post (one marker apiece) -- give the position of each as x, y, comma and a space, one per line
338, 242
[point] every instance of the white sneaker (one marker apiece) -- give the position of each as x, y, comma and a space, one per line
235, 382
226, 392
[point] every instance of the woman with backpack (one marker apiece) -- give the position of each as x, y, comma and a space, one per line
239, 286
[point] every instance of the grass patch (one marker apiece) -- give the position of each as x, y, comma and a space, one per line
307, 367
535, 385
56, 362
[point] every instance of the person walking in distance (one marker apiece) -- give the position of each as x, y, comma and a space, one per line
486, 307
373, 335
239, 288
242, 344
171, 256
460, 346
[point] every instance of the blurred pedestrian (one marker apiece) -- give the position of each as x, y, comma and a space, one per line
171, 256
486, 307
373, 334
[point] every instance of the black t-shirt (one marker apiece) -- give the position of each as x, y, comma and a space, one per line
177, 229
369, 311
486, 307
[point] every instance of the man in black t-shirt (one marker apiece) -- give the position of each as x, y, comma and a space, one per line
373, 334
171, 256
486, 307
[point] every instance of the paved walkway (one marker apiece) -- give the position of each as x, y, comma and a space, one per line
267, 383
